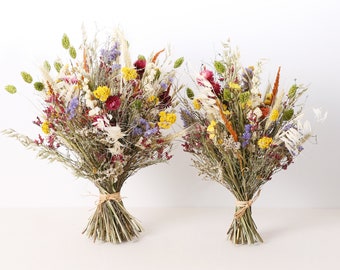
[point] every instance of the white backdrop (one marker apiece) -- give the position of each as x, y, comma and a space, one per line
300, 36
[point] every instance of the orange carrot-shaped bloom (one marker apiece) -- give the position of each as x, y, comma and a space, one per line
227, 123
276, 86
156, 55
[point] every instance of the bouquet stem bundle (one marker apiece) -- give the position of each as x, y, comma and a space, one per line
111, 222
243, 228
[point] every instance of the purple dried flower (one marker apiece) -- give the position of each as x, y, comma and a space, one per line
164, 85
137, 131
145, 123
246, 136
72, 106
288, 126
109, 55
247, 77
151, 131
184, 114
115, 66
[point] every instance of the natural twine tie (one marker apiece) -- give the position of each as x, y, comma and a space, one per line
244, 205
109, 197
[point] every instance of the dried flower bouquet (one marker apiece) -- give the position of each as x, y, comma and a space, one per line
106, 117
238, 136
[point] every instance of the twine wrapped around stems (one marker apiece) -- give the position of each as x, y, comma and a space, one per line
109, 197
243, 228
244, 205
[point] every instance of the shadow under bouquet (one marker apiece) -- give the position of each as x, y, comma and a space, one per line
105, 117
238, 136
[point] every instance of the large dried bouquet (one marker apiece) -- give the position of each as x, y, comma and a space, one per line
239, 136
106, 117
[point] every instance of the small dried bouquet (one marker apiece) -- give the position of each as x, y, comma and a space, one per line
239, 136
105, 117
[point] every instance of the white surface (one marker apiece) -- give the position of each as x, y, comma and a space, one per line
174, 238
300, 36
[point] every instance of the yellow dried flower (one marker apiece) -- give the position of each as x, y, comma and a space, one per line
45, 127
171, 118
102, 93
153, 99
235, 86
129, 73
164, 125
226, 112
268, 99
166, 119
225, 109
162, 116
197, 104
211, 129
274, 115
264, 142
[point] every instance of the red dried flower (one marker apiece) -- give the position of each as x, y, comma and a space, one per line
265, 111
140, 65
207, 74
140, 62
113, 103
